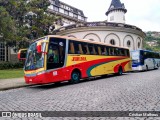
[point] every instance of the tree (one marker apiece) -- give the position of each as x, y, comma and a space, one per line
15, 10
7, 26
27, 19
40, 21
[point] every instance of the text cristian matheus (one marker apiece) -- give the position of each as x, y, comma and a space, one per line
143, 115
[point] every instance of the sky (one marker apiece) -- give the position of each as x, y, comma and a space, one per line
144, 14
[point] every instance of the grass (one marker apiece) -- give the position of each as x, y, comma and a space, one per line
11, 73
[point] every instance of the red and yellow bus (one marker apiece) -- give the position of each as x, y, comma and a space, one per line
60, 58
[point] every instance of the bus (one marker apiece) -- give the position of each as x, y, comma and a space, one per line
145, 60
53, 59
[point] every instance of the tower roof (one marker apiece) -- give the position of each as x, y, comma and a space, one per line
116, 5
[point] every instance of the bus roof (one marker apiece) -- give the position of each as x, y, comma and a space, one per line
144, 50
81, 40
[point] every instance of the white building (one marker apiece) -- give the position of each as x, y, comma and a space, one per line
69, 14
113, 31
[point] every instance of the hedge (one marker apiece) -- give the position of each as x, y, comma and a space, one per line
10, 65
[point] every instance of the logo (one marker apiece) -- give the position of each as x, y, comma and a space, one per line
79, 59
6, 114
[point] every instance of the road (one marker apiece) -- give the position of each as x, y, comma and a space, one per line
138, 91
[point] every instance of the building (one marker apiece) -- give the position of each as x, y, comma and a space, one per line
152, 43
116, 12
112, 31
68, 15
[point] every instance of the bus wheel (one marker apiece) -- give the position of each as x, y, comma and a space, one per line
75, 77
120, 71
146, 68
57, 83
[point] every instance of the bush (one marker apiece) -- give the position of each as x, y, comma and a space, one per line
9, 65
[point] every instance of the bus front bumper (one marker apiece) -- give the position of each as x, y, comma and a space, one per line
138, 68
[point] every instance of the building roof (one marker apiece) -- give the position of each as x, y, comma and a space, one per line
116, 5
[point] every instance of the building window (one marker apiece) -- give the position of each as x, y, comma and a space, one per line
128, 43
62, 6
2, 52
75, 15
111, 18
112, 42
55, 8
66, 12
51, 7
139, 44
71, 14
82, 18
71, 9
52, 2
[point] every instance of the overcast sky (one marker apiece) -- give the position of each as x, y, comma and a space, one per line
144, 14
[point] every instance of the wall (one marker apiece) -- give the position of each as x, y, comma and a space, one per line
104, 35
119, 16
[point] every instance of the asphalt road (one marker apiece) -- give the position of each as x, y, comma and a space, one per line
138, 91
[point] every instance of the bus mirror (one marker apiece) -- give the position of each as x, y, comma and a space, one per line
22, 54
39, 50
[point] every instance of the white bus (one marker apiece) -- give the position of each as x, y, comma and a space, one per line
145, 60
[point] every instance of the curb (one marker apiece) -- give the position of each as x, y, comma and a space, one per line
13, 87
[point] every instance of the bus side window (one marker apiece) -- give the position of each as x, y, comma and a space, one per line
144, 54
99, 50
76, 48
107, 50
119, 52
71, 48
116, 52
125, 52
104, 50
91, 49
80, 48
96, 50
112, 51
128, 53
122, 52
85, 48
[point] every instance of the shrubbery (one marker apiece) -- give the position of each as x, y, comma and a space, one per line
9, 65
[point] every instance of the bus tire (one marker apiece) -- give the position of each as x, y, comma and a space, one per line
120, 71
157, 66
57, 83
146, 68
75, 77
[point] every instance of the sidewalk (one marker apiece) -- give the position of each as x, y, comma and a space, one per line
6, 84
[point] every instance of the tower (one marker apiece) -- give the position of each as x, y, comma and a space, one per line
116, 12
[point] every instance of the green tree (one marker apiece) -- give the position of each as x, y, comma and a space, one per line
40, 21
16, 11
29, 19
7, 26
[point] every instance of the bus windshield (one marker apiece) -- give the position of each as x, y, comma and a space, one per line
34, 59
135, 55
